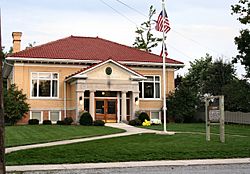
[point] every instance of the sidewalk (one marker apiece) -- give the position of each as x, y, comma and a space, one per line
130, 130
127, 164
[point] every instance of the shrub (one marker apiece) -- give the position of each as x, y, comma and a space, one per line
68, 120
60, 122
135, 122
47, 122
143, 116
86, 119
99, 123
33, 121
15, 104
132, 122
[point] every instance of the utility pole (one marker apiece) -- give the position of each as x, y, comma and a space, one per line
2, 149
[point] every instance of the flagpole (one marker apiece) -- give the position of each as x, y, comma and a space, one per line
164, 68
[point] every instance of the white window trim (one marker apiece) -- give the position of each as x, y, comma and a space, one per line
31, 97
60, 116
159, 99
41, 116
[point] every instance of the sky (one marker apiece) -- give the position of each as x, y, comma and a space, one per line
197, 27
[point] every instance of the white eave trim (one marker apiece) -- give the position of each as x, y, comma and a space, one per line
138, 78
150, 63
80, 76
51, 60
90, 61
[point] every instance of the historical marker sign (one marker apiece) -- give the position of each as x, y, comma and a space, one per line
214, 114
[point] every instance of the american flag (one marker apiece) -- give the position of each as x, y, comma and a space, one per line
166, 51
159, 23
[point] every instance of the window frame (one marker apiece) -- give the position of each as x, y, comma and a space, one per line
51, 88
60, 116
159, 114
154, 82
41, 115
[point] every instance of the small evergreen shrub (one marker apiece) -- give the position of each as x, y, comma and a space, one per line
135, 122
143, 116
68, 120
33, 121
138, 122
86, 119
60, 122
99, 123
132, 122
47, 122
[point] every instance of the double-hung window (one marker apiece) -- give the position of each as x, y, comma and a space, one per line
44, 84
150, 88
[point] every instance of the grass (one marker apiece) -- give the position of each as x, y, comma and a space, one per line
231, 129
33, 134
142, 147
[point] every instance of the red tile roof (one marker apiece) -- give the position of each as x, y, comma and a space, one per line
90, 48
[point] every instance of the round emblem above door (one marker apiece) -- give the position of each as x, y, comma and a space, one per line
108, 70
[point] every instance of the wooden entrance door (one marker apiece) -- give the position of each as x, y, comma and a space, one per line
106, 110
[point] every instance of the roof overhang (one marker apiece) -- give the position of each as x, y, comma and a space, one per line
130, 63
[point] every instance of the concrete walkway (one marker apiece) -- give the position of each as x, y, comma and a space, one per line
127, 164
130, 130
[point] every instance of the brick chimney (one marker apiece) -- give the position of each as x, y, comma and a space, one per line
16, 41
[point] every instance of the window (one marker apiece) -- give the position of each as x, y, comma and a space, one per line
155, 115
54, 116
150, 88
44, 84
36, 115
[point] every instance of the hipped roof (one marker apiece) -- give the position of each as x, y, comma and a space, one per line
90, 48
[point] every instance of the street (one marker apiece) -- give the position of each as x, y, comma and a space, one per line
194, 169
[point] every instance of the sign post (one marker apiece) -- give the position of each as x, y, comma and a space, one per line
214, 115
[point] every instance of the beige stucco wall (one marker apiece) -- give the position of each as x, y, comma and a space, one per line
22, 77
117, 73
156, 104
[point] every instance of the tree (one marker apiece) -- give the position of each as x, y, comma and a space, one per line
182, 103
145, 39
15, 105
237, 96
209, 77
205, 76
198, 73
219, 74
243, 40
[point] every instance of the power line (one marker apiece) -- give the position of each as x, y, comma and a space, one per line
118, 12
181, 52
183, 36
132, 8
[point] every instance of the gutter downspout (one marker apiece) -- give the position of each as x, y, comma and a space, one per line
64, 98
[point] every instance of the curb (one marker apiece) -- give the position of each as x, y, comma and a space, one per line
127, 164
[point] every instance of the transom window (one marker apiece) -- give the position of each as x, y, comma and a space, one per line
150, 88
44, 84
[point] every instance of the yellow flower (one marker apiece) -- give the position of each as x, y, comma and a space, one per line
146, 123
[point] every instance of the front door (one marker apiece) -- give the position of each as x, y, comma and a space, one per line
106, 110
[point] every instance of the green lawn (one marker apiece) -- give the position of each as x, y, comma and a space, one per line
136, 148
32, 134
232, 129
